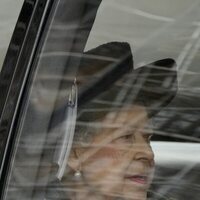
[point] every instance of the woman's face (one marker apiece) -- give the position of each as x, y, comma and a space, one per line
119, 161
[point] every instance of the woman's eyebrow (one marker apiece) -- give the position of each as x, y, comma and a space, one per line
146, 130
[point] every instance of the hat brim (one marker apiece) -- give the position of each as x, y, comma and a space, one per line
153, 85
101, 67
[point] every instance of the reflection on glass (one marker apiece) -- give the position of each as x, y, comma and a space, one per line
9, 11
111, 155
117, 161
121, 107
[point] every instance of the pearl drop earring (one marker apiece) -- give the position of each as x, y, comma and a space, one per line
78, 174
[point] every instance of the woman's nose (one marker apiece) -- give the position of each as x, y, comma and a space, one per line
144, 152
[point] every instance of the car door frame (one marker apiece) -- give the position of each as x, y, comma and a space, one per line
18, 69
15, 71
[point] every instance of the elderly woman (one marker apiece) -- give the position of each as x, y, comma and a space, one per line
111, 156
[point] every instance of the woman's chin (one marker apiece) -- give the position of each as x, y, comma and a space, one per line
135, 195
126, 194
128, 189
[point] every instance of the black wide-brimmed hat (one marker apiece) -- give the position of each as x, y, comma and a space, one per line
108, 83
107, 80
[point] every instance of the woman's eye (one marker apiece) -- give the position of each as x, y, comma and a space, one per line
130, 136
126, 138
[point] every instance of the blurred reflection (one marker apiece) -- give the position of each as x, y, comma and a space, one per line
111, 156
119, 109
177, 150
118, 161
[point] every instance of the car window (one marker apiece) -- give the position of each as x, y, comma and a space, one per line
9, 12
112, 111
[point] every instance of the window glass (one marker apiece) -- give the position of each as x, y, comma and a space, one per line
113, 109
9, 11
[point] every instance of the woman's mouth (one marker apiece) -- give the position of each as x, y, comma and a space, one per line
140, 179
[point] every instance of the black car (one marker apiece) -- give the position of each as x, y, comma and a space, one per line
85, 81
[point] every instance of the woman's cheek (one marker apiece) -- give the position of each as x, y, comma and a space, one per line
111, 153
104, 159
